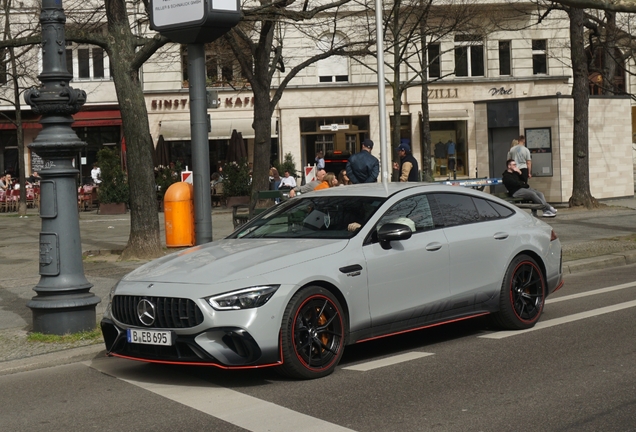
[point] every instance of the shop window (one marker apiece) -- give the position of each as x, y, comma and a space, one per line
87, 63
334, 68
539, 142
539, 56
433, 53
469, 56
448, 145
336, 137
324, 143
351, 143
504, 58
96, 137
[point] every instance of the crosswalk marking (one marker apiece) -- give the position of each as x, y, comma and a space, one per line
239, 409
590, 293
563, 320
388, 361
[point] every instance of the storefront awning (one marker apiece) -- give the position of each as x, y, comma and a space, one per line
461, 114
179, 130
82, 119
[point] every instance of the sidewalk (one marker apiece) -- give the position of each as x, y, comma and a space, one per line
595, 239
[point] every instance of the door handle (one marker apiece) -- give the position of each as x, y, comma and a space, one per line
433, 246
501, 236
351, 269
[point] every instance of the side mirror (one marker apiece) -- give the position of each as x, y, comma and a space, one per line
391, 232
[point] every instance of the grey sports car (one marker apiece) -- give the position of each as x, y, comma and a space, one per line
335, 267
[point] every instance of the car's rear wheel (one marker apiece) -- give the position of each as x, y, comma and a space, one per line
522, 295
313, 334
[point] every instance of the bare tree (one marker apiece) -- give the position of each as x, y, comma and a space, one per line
414, 31
19, 75
609, 5
258, 44
581, 195
127, 51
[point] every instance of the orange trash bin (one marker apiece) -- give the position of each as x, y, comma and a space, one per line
178, 211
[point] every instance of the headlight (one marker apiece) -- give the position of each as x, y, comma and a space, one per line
243, 299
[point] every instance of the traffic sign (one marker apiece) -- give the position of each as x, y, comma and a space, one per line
186, 176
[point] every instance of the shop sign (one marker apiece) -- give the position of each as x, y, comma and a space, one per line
501, 91
448, 93
335, 127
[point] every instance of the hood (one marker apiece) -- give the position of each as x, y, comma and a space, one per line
233, 259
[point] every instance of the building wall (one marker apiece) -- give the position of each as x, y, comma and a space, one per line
610, 154
541, 113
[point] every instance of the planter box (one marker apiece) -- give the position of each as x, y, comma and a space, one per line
112, 209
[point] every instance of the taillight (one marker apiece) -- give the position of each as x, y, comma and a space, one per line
553, 236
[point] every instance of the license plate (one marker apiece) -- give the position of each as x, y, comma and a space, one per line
149, 337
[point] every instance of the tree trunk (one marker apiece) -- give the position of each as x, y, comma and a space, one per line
427, 172
262, 141
261, 83
609, 51
581, 195
22, 209
144, 239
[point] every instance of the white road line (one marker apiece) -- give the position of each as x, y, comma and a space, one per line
245, 411
593, 292
375, 364
563, 320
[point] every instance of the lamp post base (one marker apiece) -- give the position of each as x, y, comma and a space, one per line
64, 314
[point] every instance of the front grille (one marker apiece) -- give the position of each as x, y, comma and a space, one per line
170, 312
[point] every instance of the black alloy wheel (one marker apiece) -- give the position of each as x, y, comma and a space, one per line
313, 334
522, 295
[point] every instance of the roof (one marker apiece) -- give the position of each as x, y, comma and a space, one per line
380, 190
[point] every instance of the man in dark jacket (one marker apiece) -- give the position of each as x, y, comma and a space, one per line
518, 188
408, 167
363, 167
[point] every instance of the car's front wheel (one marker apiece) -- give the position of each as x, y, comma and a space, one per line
522, 295
313, 334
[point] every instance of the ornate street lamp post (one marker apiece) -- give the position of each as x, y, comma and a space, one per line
64, 303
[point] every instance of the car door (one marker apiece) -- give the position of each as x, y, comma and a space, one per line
408, 280
480, 243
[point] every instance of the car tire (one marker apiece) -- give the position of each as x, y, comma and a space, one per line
313, 334
522, 295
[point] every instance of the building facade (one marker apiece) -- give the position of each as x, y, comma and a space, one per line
485, 88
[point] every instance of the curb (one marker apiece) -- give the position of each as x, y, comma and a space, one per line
600, 262
57, 358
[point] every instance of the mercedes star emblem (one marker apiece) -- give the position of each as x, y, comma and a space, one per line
146, 312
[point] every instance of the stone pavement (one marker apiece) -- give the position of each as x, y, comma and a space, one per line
594, 239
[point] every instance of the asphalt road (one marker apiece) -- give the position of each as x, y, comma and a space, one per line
575, 372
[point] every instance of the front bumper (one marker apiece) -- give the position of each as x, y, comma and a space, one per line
227, 348
200, 334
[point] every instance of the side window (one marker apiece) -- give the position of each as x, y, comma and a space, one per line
457, 209
415, 212
486, 211
503, 211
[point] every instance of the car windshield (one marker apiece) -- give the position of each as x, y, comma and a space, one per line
313, 217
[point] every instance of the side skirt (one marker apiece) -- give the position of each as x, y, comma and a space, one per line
395, 328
